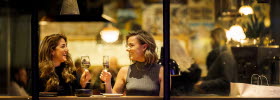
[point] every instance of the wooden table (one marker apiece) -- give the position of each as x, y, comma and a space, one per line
135, 98
103, 98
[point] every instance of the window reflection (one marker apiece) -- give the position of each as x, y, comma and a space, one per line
19, 82
15, 48
191, 22
237, 61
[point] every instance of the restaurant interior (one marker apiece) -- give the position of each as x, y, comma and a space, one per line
183, 38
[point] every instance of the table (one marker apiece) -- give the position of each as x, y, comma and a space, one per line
135, 98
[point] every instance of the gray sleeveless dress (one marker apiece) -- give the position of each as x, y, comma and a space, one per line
143, 80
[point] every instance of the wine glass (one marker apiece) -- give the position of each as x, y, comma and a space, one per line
85, 63
105, 68
106, 63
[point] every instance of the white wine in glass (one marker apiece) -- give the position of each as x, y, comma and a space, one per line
105, 63
85, 62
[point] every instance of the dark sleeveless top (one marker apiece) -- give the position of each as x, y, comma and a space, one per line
143, 80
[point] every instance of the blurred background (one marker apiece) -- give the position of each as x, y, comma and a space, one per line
98, 27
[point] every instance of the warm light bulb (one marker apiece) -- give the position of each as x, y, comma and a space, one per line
236, 32
110, 34
267, 22
228, 35
246, 10
43, 23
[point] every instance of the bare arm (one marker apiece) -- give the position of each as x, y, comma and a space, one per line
120, 81
106, 77
161, 80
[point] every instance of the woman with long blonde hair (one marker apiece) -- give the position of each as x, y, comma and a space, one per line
57, 72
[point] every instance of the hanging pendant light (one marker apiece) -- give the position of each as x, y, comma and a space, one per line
246, 10
110, 34
69, 7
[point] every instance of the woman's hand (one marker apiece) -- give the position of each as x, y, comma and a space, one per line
105, 76
86, 76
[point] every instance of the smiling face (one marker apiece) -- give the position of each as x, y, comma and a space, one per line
135, 49
60, 52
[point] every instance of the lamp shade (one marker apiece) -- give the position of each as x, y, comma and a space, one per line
236, 33
110, 34
69, 7
246, 10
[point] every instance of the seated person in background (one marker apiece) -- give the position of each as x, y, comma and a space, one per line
57, 71
95, 82
114, 68
79, 69
142, 78
18, 83
221, 67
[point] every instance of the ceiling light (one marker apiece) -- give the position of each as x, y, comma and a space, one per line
246, 10
110, 34
69, 7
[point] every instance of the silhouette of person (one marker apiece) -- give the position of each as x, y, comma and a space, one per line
18, 83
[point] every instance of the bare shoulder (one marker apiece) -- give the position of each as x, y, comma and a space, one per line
161, 73
123, 73
161, 69
124, 69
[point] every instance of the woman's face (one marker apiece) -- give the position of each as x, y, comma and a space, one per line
60, 52
135, 49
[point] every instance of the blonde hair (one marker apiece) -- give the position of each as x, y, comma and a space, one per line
146, 38
46, 66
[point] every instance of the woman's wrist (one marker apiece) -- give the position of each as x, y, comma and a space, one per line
83, 84
108, 83
108, 87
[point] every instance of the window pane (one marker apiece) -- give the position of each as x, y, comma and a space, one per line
15, 49
215, 45
85, 37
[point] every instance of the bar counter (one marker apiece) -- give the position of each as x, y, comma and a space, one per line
136, 98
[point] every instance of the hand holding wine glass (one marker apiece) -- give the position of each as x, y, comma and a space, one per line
85, 78
105, 75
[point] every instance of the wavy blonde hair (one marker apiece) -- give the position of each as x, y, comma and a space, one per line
145, 38
46, 66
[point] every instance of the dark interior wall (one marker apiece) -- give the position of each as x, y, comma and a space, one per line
3, 50
275, 21
15, 39
21, 41
86, 7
